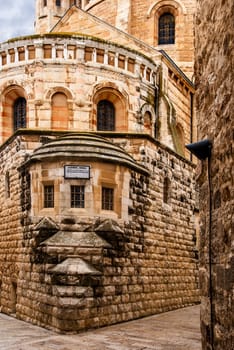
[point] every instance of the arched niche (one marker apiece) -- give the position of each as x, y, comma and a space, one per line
180, 140
59, 111
60, 89
149, 119
110, 92
61, 101
9, 98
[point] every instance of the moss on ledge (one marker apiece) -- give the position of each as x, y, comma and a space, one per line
79, 36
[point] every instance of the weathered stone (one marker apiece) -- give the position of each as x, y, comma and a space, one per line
215, 102
74, 266
68, 238
70, 267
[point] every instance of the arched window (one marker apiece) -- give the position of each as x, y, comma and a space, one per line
166, 29
105, 116
19, 110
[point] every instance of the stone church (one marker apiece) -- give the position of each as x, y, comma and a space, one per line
97, 194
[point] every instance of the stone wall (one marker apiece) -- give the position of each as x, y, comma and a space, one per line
215, 103
10, 226
125, 268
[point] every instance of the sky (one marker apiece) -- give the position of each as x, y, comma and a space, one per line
16, 18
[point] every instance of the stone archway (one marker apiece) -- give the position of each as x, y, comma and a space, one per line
119, 99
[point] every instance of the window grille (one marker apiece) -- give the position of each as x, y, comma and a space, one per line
58, 2
77, 196
105, 116
49, 196
166, 30
20, 113
107, 198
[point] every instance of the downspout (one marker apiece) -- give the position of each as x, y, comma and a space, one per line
203, 150
191, 120
210, 257
156, 109
158, 87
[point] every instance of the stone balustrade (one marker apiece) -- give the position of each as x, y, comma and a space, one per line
77, 50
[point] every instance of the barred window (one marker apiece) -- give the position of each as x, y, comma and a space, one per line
19, 113
77, 196
166, 29
48, 196
58, 2
107, 198
105, 116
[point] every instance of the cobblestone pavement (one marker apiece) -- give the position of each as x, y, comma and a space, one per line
175, 330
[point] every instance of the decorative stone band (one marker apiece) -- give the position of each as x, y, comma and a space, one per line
75, 49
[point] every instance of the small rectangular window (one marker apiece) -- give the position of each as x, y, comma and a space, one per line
131, 65
21, 53
49, 196
47, 51
107, 198
31, 52
166, 190
4, 58
77, 196
7, 185
88, 54
58, 2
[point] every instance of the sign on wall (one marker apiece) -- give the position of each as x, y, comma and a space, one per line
77, 172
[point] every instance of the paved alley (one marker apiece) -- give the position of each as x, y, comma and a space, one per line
175, 330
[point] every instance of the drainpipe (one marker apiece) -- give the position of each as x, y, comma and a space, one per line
191, 120
202, 150
156, 108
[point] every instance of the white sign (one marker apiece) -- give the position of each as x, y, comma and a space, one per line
77, 171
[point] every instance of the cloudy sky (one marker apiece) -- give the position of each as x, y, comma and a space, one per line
16, 18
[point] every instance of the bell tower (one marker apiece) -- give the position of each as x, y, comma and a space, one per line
49, 12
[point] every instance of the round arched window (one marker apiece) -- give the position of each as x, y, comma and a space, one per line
19, 113
166, 29
105, 116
